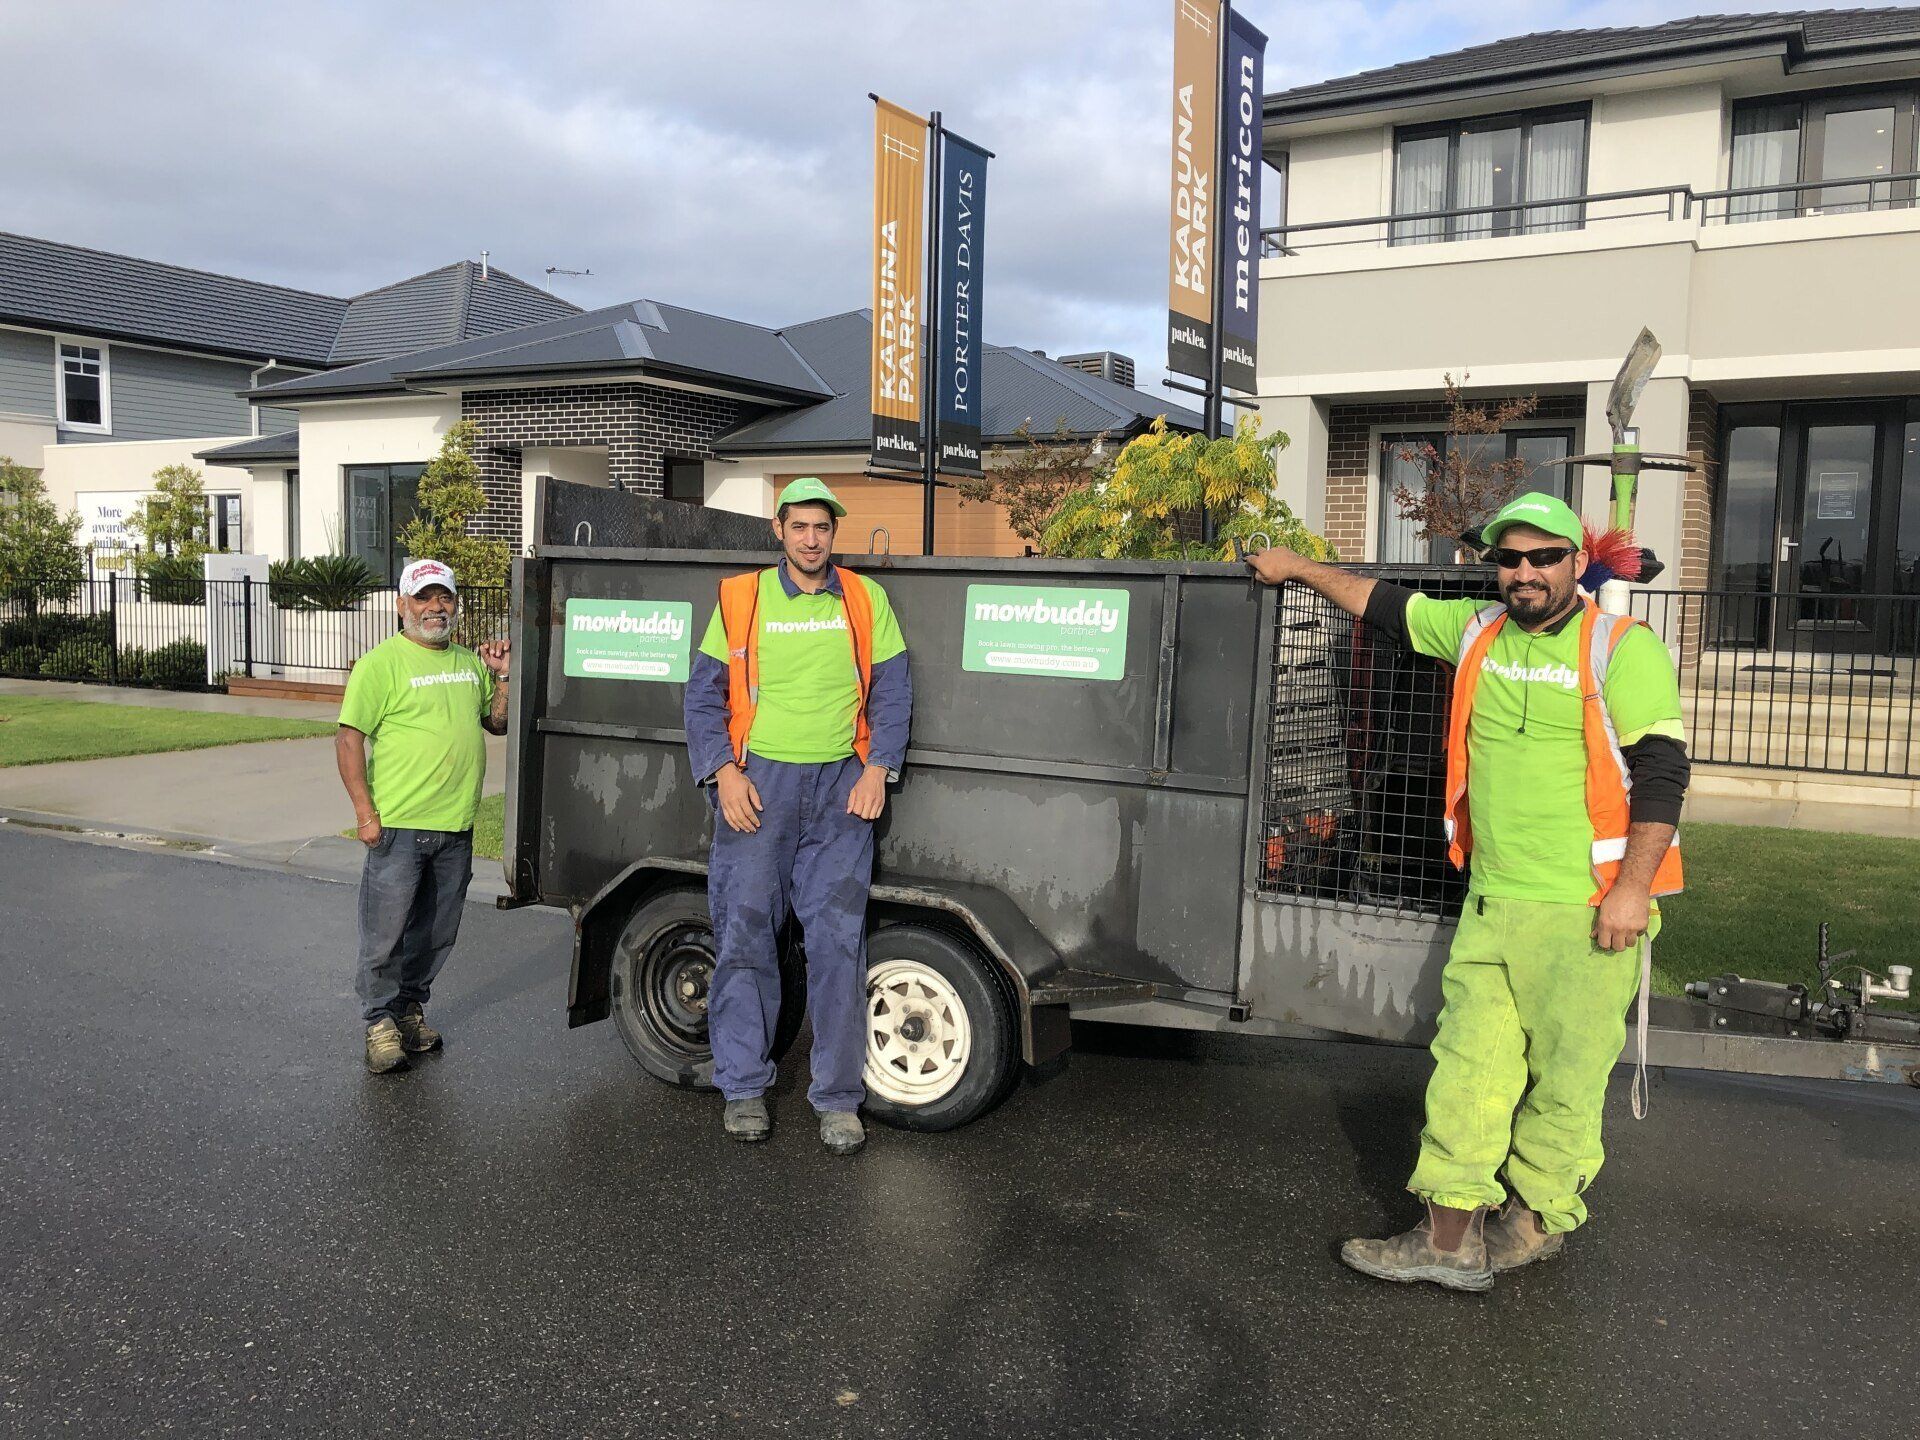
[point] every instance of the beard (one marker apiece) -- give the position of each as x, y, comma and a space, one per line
800, 563
430, 629
1534, 601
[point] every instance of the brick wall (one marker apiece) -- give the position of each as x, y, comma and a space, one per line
640, 425
1697, 489
1350, 454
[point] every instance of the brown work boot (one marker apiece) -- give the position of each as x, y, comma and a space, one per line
384, 1048
1448, 1248
415, 1033
1515, 1238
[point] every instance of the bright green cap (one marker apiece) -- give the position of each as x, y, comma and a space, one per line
810, 487
1542, 512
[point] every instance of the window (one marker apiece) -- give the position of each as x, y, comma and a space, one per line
1864, 136
82, 387
381, 499
1486, 164
223, 524
686, 481
1273, 191
293, 514
1403, 463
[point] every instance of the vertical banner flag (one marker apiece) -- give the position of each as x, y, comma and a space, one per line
956, 330
1240, 202
1196, 148
899, 215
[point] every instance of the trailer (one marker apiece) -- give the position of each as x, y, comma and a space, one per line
1142, 792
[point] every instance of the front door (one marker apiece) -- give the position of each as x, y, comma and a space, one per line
1836, 499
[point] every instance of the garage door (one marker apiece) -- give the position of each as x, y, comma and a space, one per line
959, 528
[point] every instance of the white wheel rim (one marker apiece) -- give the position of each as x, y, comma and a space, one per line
919, 1037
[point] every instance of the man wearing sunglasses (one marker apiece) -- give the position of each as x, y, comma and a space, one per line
1566, 768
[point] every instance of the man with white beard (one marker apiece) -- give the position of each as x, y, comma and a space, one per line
423, 701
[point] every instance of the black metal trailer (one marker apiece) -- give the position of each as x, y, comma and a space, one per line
1220, 811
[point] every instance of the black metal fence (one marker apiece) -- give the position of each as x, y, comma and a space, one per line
128, 630
1795, 680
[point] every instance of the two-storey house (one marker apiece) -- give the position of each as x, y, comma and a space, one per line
1742, 185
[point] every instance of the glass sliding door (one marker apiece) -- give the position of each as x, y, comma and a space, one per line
1847, 140
1420, 185
1766, 151
1486, 172
381, 500
1556, 169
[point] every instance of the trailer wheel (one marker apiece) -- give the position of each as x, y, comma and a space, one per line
941, 1044
663, 965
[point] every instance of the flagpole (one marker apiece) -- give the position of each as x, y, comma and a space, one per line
1215, 381
929, 403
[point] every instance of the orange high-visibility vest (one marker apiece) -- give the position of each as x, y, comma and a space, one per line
739, 609
1609, 785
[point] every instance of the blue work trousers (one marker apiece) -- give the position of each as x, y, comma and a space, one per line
413, 888
811, 859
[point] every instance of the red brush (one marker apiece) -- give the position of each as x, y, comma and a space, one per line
1611, 555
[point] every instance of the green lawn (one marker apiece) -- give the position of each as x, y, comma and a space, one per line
1754, 900
37, 731
489, 827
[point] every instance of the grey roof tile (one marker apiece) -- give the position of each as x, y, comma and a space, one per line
1017, 388
1814, 31
642, 336
257, 451
92, 292
438, 308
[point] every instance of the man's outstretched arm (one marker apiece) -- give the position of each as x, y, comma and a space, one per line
1349, 591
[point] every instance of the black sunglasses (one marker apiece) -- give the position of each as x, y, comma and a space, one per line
1545, 558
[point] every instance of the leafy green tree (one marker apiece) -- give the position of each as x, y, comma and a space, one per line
40, 558
450, 496
173, 519
1161, 480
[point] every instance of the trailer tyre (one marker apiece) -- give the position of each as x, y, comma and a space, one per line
663, 966
942, 1048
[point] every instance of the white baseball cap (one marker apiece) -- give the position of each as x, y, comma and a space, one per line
419, 574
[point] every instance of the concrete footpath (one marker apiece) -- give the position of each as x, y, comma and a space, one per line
276, 803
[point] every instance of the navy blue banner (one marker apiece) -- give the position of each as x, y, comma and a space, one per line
1239, 273
956, 331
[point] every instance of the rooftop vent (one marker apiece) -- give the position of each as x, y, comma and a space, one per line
1106, 364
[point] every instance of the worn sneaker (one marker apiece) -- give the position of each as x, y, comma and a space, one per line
1514, 1238
1416, 1255
747, 1120
415, 1033
385, 1050
841, 1131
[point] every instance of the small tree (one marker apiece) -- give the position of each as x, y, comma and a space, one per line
1163, 478
1029, 480
40, 558
450, 496
1464, 488
173, 519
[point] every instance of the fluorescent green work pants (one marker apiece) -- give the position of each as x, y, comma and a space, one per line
1533, 1021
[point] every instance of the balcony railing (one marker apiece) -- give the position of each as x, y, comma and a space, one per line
1670, 203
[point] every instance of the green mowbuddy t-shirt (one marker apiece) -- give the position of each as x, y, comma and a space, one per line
1527, 751
809, 690
422, 708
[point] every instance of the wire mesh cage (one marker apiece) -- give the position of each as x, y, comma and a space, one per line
1356, 757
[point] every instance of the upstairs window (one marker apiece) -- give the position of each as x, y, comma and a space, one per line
1864, 137
82, 386
1493, 161
686, 481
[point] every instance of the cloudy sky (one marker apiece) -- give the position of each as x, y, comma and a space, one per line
713, 153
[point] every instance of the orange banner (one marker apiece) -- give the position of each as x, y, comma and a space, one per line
1196, 150
899, 250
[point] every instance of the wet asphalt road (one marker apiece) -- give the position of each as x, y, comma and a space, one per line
213, 1223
